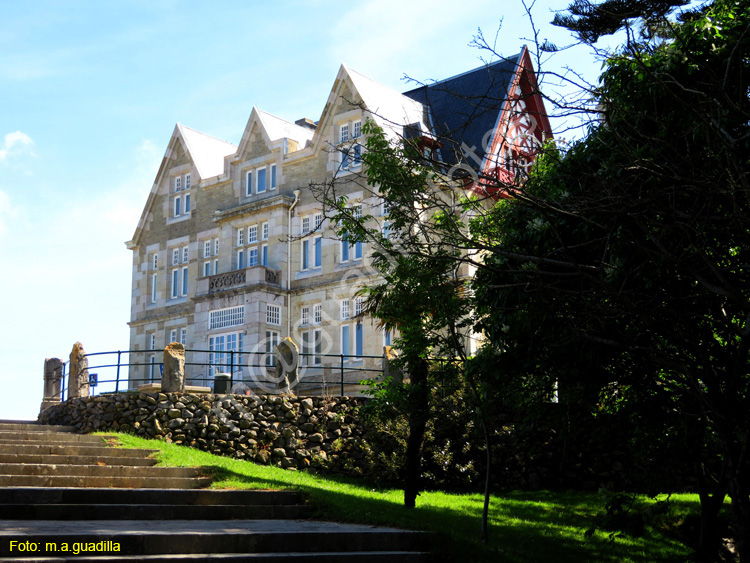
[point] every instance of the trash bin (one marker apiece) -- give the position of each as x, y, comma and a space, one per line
222, 382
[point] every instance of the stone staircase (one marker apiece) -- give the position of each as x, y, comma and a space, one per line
68, 497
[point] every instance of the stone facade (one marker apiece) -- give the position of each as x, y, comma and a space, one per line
233, 251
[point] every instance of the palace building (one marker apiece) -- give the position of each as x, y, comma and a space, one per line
232, 252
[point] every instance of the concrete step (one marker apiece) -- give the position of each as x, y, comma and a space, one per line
77, 459
98, 470
347, 557
20, 436
151, 512
178, 537
34, 427
73, 449
96, 481
197, 497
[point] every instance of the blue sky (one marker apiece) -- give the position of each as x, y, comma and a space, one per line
90, 93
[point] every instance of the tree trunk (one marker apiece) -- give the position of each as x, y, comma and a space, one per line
740, 494
711, 499
418, 415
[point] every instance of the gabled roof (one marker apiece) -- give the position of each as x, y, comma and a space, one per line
206, 152
390, 109
278, 128
465, 108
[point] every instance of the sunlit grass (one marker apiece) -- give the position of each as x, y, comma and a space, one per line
524, 526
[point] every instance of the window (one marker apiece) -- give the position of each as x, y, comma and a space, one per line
350, 251
151, 367
345, 340
240, 259
384, 207
177, 184
264, 231
187, 203
183, 336
240, 237
175, 282
386, 229
225, 352
344, 133
224, 318
187, 183
155, 261
184, 281
305, 225
175, 256
317, 313
264, 255
185, 254
311, 347
152, 341
216, 247
273, 176
207, 249
387, 338
312, 255
153, 288
216, 266
358, 340
305, 316
357, 211
344, 307
356, 129
177, 201
261, 172
351, 157
173, 335
272, 340
207, 268
253, 257
252, 234
273, 314
249, 184
359, 305
318, 220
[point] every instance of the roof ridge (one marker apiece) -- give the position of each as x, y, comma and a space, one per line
487, 65
183, 126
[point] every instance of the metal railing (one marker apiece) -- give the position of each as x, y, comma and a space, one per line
318, 374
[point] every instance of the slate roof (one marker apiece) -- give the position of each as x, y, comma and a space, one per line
207, 152
466, 107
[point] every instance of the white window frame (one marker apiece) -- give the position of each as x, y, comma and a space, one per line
258, 189
220, 346
359, 306
175, 256
252, 234
272, 340
357, 129
185, 254
187, 209
155, 261
187, 181
175, 283
272, 178
216, 247
312, 347
252, 256
153, 287
240, 262
264, 254
227, 317
249, 183
344, 312
264, 231
241, 236
305, 225
273, 314
177, 184
173, 335
317, 221
183, 336
207, 268
344, 133
207, 249
184, 285
317, 317
304, 316
176, 206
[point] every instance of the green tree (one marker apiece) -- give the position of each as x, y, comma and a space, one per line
638, 239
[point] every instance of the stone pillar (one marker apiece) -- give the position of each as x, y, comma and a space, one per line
173, 378
389, 370
52, 383
78, 374
287, 361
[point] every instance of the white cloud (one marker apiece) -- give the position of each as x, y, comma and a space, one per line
16, 144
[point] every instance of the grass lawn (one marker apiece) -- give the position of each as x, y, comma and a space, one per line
524, 526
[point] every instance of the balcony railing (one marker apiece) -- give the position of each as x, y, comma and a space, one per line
254, 275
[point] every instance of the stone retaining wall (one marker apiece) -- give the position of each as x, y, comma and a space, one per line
281, 430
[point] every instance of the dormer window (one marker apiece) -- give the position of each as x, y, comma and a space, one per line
260, 179
356, 130
187, 181
344, 133
178, 184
